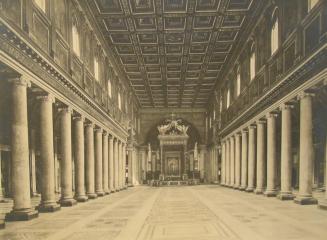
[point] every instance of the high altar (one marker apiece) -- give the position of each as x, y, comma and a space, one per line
173, 161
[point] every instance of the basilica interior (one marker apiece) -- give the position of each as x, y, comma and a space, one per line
163, 119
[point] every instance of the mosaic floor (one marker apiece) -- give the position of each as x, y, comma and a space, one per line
175, 213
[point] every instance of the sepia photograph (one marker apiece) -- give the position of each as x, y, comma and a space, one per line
163, 119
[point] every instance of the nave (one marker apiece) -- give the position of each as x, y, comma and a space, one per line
196, 212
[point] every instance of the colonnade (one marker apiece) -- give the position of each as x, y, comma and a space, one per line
249, 155
99, 156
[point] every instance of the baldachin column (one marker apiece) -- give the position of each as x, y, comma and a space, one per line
251, 159
286, 153
48, 198
244, 164
66, 158
261, 157
306, 151
80, 194
22, 209
271, 190
89, 161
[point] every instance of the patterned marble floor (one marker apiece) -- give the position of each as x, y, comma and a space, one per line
171, 213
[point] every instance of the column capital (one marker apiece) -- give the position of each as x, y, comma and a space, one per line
46, 97
105, 133
252, 126
261, 121
19, 80
78, 117
65, 109
98, 130
271, 115
89, 124
304, 94
238, 134
286, 106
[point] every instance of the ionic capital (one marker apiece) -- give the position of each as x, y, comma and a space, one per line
98, 130
46, 97
65, 110
304, 94
78, 117
261, 121
271, 115
286, 106
105, 133
19, 80
252, 126
89, 125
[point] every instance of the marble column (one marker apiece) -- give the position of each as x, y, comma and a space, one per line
244, 163
223, 154
237, 160
232, 161
66, 158
306, 151
98, 163
271, 190
111, 164
80, 195
22, 208
48, 199
323, 202
227, 162
124, 166
116, 160
32, 164
261, 157
105, 163
251, 159
130, 166
286, 153
89, 161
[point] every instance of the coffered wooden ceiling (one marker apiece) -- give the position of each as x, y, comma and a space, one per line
172, 51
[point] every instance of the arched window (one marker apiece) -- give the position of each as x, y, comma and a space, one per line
311, 4
109, 88
228, 98
252, 63
40, 4
274, 39
119, 101
76, 47
96, 69
238, 82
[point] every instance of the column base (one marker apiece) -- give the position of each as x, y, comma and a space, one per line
285, 196
82, 198
68, 202
21, 215
305, 200
258, 191
117, 190
236, 187
270, 193
112, 191
322, 204
2, 224
92, 195
100, 194
242, 188
48, 207
249, 189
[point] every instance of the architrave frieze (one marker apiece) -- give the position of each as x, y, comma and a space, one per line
311, 66
17, 48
